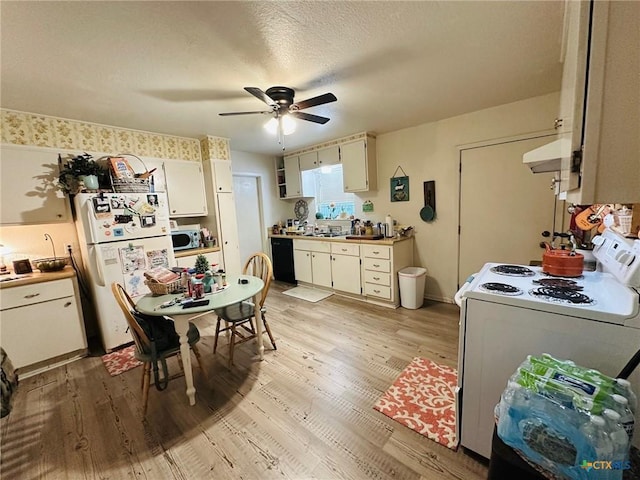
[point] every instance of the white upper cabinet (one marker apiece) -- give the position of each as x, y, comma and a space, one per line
292, 177
359, 172
28, 191
223, 175
610, 165
185, 188
308, 161
329, 156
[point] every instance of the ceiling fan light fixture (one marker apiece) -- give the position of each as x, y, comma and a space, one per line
288, 125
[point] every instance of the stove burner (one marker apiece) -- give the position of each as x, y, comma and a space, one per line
513, 270
559, 283
501, 288
548, 275
562, 295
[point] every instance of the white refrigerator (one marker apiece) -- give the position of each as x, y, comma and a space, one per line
121, 236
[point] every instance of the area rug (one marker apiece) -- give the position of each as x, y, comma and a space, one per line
308, 294
120, 361
423, 399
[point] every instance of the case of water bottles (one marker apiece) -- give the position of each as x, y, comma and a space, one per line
571, 421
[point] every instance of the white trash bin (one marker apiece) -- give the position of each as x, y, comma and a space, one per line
411, 281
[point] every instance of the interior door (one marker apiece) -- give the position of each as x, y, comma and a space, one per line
248, 208
503, 206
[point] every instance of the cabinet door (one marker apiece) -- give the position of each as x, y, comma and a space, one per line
292, 177
27, 187
185, 188
321, 268
302, 265
223, 175
41, 331
159, 183
345, 270
229, 232
354, 166
329, 156
308, 161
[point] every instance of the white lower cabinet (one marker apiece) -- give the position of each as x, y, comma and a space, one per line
345, 267
41, 322
312, 262
369, 271
380, 266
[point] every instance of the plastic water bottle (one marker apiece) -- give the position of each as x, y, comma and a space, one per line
514, 406
619, 441
599, 446
623, 387
627, 420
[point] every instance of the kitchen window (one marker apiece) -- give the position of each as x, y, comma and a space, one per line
330, 198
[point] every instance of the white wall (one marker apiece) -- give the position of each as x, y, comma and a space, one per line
430, 152
265, 167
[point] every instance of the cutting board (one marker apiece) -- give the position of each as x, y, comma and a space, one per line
364, 237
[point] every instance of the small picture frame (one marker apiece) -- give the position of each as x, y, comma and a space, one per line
399, 187
21, 267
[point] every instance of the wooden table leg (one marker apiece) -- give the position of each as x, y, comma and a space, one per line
256, 302
182, 327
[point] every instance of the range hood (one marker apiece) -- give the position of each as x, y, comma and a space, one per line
547, 158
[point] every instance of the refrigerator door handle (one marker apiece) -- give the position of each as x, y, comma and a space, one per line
97, 259
89, 221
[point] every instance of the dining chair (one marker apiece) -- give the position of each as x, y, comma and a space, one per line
143, 342
239, 317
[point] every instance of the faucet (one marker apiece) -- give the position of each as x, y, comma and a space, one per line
53, 247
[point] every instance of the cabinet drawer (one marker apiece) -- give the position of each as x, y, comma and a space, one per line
377, 265
377, 277
312, 245
379, 291
345, 249
375, 251
36, 293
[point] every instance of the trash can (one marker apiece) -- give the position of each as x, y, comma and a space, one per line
411, 281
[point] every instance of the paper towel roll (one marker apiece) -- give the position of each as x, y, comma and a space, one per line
389, 223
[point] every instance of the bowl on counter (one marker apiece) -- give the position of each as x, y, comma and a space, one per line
52, 264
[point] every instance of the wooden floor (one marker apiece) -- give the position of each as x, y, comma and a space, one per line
306, 411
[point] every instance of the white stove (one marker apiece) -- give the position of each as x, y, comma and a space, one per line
511, 311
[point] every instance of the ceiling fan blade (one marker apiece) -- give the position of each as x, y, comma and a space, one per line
309, 117
312, 102
260, 95
227, 114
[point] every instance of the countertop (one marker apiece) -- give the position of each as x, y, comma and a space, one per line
343, 239
35, 277
195, 251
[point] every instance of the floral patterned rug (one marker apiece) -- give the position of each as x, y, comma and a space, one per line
120, 361
423, 399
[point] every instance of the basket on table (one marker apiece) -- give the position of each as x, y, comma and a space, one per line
128, 181
159, 288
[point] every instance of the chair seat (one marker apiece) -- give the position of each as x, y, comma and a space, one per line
193, 336
238, 312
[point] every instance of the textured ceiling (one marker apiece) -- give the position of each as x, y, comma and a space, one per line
171, 67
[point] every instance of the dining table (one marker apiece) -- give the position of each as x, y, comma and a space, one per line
239, 288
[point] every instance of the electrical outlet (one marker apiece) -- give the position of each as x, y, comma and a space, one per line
68, 247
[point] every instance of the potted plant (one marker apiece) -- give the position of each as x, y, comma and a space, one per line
81, 170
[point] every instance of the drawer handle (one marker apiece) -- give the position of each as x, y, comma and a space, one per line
31, 295
68, 304
376, 265
376, 278
376, 253
376, 291
343, 249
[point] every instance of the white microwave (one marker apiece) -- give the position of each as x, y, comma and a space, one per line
185, 239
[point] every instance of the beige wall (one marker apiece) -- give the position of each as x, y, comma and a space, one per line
430, 152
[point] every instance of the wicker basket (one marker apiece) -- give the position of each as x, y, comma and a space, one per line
131, 185
158, 288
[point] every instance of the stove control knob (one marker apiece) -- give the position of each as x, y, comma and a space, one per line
598, 240
625, 257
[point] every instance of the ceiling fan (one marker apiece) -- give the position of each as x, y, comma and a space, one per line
280, 99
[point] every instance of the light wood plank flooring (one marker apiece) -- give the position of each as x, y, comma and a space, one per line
305, 412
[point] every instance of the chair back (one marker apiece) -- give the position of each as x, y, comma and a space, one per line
259, 265
128, 306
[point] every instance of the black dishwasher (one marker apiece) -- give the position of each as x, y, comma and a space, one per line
282, 253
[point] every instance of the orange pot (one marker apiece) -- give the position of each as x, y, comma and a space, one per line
562, 263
